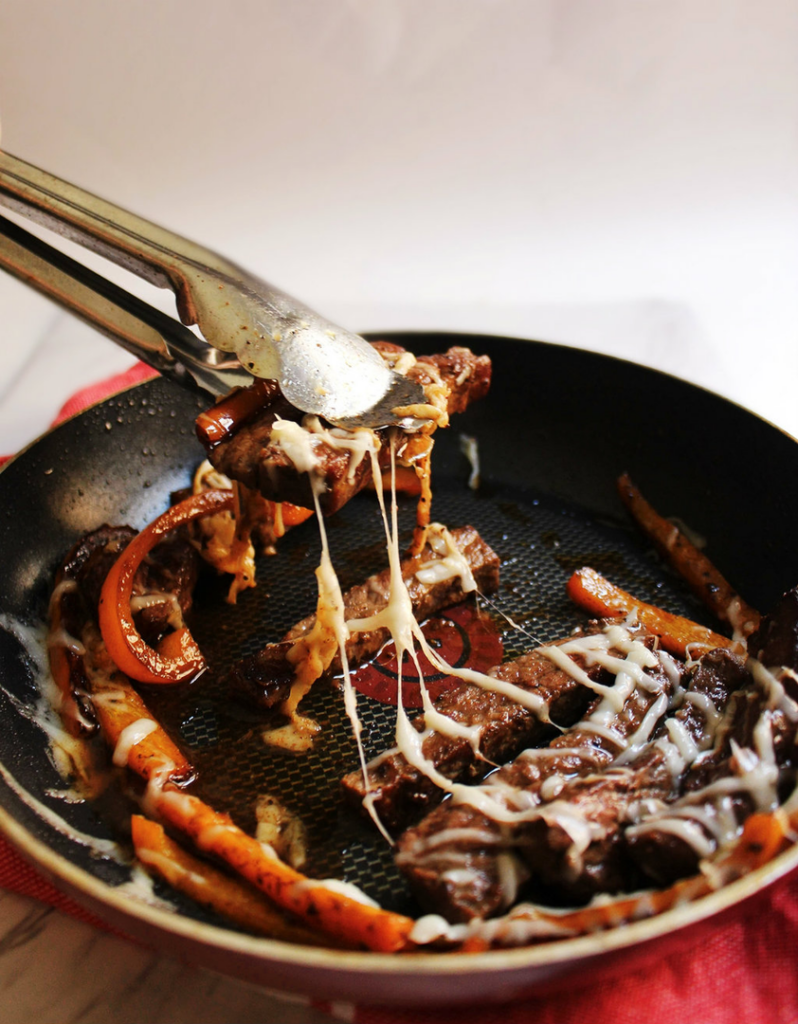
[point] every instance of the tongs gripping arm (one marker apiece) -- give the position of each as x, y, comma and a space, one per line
320, 367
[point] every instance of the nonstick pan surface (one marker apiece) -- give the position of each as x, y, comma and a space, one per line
557, 429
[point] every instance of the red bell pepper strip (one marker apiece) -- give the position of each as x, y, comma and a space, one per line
182, 658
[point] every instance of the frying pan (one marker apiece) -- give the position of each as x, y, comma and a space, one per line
558, 427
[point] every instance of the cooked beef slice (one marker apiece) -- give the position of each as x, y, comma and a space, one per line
249, 455
264, 678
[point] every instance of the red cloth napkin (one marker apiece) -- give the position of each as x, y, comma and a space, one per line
744, 972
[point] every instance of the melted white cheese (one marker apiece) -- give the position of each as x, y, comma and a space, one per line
130, 737
296, 443
522, 925
301, 442
155, 598
140, 887
634, 745
66, 752
450, 564
169, 868
298, 734
769, 682
705, 819
61, 638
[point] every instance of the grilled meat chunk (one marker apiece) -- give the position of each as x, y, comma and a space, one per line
265, 678
250, 455
169, 573
669, 842
401, 792
467, 857
749, 770
602, 802
776, 640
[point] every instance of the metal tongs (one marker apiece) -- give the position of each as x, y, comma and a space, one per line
249, 327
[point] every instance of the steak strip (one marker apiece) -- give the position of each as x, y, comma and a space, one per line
462, 863
602, 801
250, 456
264, 679
751, 771
401, 793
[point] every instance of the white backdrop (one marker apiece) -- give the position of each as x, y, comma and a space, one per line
616, 174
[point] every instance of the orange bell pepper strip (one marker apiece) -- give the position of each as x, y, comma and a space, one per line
128, 649
591, 591
61, 661
319, 906
285, 516
229, 897
703, 578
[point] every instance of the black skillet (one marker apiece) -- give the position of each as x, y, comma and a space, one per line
557, 429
